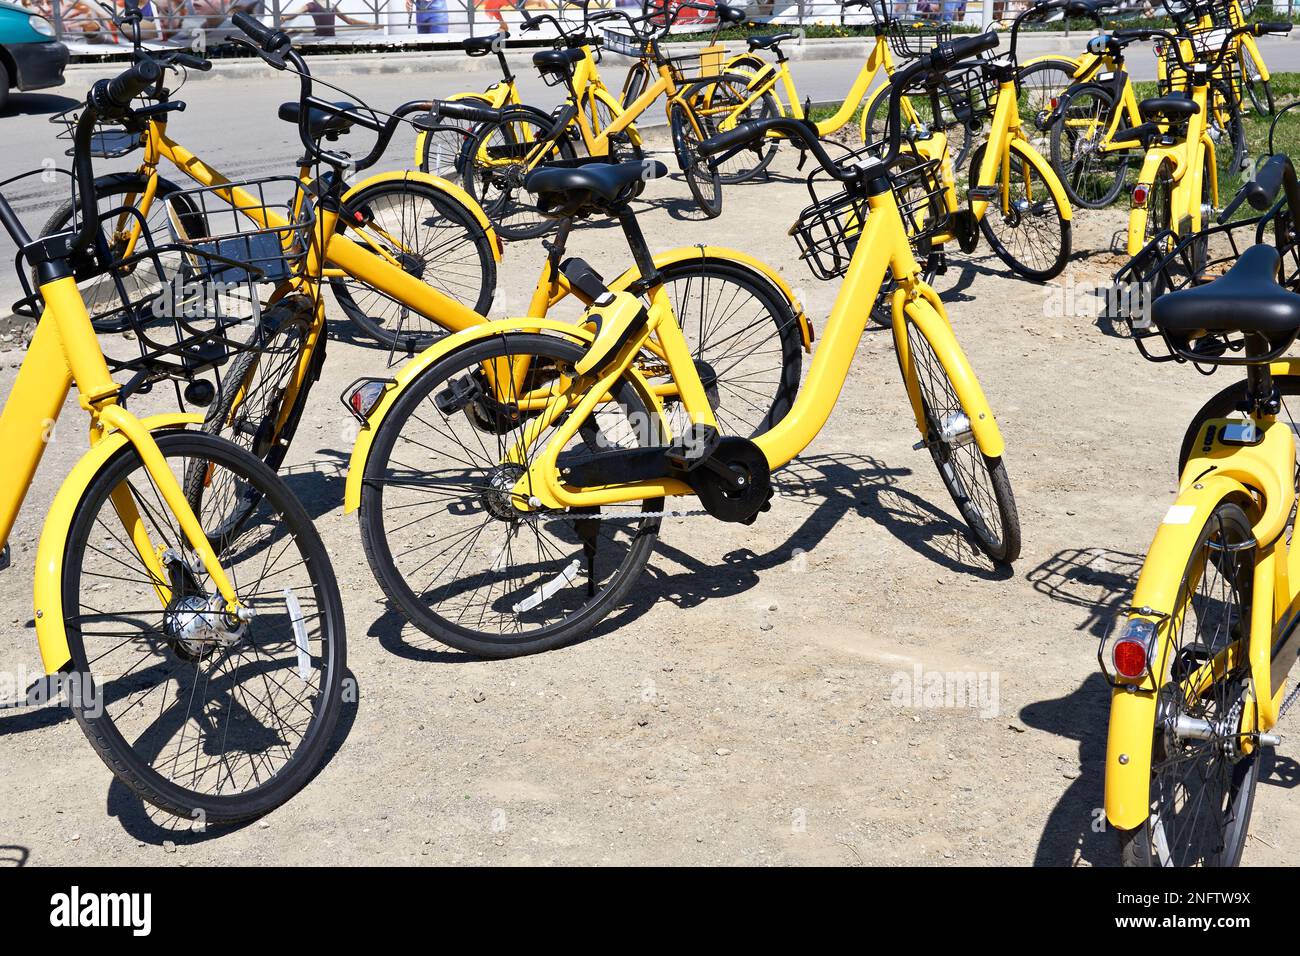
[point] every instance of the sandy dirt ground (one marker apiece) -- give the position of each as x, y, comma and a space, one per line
754, 703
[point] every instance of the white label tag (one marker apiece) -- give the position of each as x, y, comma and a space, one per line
1180, 514
299, 633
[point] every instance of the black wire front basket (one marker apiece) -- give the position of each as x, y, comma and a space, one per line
693, 68
1199, 45
263, 225
1170, 262
914, 38
625, 44
827, 231
109, 140
171, 321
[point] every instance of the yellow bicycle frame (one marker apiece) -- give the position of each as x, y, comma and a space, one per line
883, 245
1189, 158
64, 349
1005, 138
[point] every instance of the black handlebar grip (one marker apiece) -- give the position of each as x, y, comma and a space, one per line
268, 39
193, 61
730, 14
1262, 191
1273, 26
113, 97
742, 134
948, 55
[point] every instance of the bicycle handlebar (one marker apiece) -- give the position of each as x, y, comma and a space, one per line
943, 58
1253, 29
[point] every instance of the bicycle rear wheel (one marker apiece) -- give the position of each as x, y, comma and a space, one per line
429, 234
440, 525
745, 340
1039, 89
1202, 788
979, 485
721, 99
498, 158
204, 717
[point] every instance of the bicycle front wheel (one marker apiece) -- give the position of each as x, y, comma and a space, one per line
1259, 90
1028, 229
250, 406
1203, 786
979, 485
204, 716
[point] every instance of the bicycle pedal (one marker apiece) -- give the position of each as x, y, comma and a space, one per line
937, 263
983, 193
693, 448
457, 395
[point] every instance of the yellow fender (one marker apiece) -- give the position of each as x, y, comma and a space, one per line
50, 633
1137, 216
1076, 60
1222, 472
1133, 712
441, 185
744, 260
421, 136
933, 323
417, 366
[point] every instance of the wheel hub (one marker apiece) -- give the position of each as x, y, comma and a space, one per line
499, 498
197, 625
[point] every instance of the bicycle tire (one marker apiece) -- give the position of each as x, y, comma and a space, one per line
978, 484
131, 761
1228, 560
548, 611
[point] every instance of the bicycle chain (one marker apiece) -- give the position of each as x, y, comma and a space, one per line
624, 516
1290, 699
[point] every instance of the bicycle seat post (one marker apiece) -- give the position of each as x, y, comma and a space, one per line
636, 243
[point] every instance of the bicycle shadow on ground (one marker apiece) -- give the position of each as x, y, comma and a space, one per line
1098, 580
1076, 827
13, 856
830, 486
155, 827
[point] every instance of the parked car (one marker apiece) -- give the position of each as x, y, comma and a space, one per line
30, 57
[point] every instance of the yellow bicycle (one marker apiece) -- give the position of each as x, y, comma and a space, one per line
1199, 660
203, 657
512, 480
1178, 185
506, 145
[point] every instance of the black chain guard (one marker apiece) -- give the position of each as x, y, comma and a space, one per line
742, 457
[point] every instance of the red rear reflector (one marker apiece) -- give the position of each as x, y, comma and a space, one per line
1130, 659
1139, 195
1056, 101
